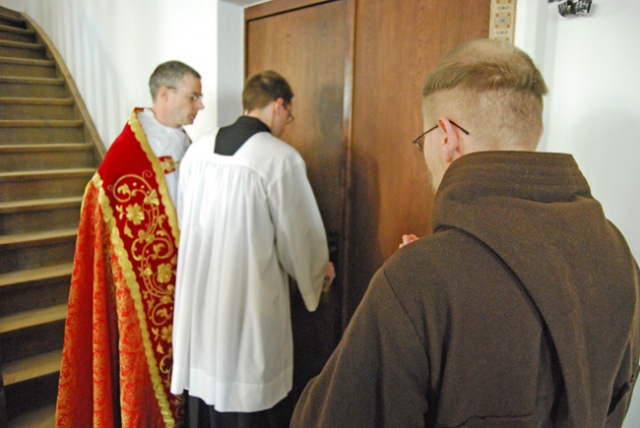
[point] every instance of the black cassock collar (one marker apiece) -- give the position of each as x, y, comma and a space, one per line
231, 138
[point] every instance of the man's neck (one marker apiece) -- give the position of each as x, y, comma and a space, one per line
265, 115
163, 118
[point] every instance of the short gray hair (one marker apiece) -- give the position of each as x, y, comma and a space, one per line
170, 74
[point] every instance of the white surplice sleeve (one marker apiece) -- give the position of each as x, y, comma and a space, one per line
301, 241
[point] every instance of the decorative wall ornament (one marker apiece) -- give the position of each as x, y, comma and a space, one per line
502, 20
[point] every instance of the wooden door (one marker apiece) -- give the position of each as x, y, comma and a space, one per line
308, 42
357, 68
397, 42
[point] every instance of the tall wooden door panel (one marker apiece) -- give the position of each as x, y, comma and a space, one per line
309, 46
396, 43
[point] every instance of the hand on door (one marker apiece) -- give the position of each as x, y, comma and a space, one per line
329, 276
407, 239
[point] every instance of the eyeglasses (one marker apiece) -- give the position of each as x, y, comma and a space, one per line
419, 142
291, 117
193, 97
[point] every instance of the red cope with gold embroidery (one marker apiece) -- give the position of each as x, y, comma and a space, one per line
117, 353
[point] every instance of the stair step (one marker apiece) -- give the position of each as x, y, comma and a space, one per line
40, 218
38, 148
16, 34
32, 80
24, 397
34, 175
40, 204
31, 289
22, 50
46, 156
22, 240
38, 123
14, 323
39, 215
13, 28
19, 176
35, 250
41, 131
16, 108
28, 61
22, 186
11, 18
36, 101
31, 368
34, 276
31, 388
22, 67
43, 417
33, 87
32, 332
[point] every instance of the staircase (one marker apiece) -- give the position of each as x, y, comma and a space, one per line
49, 149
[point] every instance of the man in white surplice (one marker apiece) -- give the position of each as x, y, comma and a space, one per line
248, 219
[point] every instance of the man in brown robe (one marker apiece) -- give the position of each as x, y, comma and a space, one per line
521, 309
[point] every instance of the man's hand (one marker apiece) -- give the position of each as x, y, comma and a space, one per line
329, 276
407, 239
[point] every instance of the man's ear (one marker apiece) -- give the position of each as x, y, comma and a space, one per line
162, 92
277, 105
452, 147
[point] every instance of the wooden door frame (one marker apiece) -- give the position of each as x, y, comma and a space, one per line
277, 7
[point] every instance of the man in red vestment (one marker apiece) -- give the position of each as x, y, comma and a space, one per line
117, 352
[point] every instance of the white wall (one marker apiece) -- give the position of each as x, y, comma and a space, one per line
111, 47
592, 67
230, 60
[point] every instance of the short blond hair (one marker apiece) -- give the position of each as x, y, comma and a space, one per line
493, 89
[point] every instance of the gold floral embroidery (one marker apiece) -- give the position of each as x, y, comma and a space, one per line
135, 214
167, 333
165, 271
153, 248
168, 164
